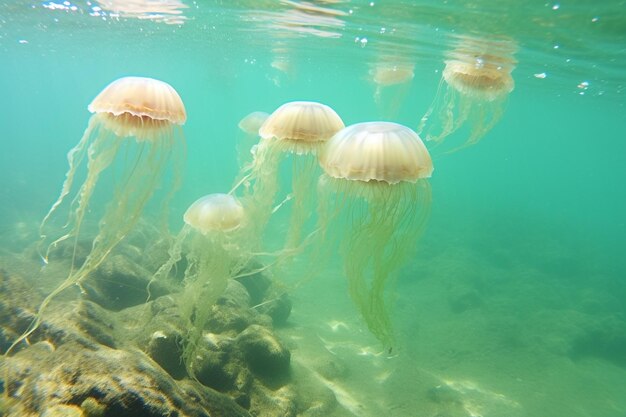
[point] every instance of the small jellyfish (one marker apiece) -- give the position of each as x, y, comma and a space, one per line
391, 76
297, 129
220, 213
249, 126
473, 91
134, 136
253, 122
374, 200
217, 245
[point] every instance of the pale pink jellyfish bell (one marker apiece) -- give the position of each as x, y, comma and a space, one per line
139, 106
374, 152
374, 200
301, 127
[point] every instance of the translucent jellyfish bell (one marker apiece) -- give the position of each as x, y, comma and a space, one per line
374, 200
215, 213
252, 122
248, 135
391, 76
484, 77
297, 130
214, 227
136, 126
473, 91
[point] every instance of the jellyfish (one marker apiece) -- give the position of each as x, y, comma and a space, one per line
249, 126
135, 136
297, 129
375, 200
217, 244
253, 122
473, 90
392, 76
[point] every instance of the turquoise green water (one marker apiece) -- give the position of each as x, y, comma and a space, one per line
515, 297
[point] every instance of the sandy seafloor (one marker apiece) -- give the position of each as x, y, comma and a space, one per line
479, 336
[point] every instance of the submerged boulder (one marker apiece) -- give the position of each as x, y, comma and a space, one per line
105, 382
105, 352
119, 283
265, 354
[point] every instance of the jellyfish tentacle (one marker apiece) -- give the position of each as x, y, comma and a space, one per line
394, 227
177, 153
74, 158
303, 167
175, 254
100, 154
422, 127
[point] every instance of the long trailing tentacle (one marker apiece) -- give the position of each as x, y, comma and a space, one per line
100, 154
74, 158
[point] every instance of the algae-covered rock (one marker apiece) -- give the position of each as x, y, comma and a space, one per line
80, 321
264, 353
159, 330
17, 305
228, 318
278, 308
235, 295
111, 382
119, 283
62, 410
220, 368
69, 249
268, 402
257, 284
93, 356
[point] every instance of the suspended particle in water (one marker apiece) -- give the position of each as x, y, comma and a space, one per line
361, 41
